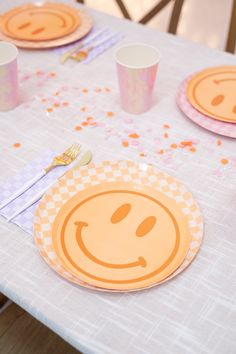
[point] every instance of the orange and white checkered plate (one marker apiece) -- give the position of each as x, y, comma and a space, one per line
79, 179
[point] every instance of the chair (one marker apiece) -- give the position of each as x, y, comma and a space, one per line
153, 12
231, 40
3, 300
175, 16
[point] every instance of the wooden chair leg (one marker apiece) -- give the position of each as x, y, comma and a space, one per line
154, 11
174, 20
3, 300
231, 41
123, 9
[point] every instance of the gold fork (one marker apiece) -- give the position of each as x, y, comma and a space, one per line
64, 159
84, 160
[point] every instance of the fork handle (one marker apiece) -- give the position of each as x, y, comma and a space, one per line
24, 188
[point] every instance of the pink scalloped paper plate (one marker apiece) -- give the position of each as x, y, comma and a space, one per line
213, 125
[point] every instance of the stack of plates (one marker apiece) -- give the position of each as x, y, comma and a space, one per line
119, 226
209, 99
44, 25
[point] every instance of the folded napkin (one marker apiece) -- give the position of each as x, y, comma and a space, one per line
25, 219
105, 32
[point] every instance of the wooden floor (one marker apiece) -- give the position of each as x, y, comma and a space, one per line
20, 333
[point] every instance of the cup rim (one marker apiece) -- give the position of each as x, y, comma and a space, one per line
13, 57
135, 66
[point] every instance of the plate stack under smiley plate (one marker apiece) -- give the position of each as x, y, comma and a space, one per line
119, 226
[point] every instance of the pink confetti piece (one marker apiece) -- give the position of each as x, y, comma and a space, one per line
128, 120
25, 78
217, 173
140, 148
134, 142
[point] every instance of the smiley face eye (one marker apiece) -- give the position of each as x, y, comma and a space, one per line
217, 100
120, 213
146, 226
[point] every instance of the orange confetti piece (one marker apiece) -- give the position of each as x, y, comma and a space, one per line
98, 89
78, 127
186, 143
93, 123
65, 104
166, 135
85, 90
125, 143
52, 74
224, 161
166, 126
193, 149
110, 114
89, 119
56, 105
49, 110
43, 100
107, 89
173, 146
161, 152
83, 109
142, 154
84, 124
39, 72
219, 142
17, 145
134, 136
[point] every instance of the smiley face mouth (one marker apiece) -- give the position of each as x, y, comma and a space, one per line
140, 262
223, 80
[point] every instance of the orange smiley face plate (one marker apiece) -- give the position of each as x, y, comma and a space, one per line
39, 22
213, 92
120, 236
98, 230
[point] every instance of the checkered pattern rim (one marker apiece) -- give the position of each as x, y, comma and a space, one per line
79, 179
216, 126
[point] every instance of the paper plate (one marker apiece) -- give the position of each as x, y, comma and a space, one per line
85, 26
213, 125
213, 93
42, 22
118, 228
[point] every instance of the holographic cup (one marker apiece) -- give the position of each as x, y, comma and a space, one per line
136, 68
8, 76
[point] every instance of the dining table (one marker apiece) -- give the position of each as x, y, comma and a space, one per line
195, 312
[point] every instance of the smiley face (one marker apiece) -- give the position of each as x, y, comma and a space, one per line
213, 92
118, 237
39, 22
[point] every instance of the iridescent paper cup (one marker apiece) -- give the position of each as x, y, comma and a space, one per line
136, 68
8, 76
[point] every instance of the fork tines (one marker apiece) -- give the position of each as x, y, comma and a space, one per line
73, 150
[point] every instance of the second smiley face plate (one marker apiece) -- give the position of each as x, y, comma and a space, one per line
119, 226
213, 93
39, 22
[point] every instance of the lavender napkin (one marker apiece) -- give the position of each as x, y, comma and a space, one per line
25, 219
105, 32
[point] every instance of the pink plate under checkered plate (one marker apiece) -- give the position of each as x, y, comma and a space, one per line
216, 126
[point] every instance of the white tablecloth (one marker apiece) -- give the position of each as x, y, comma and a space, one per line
195, 312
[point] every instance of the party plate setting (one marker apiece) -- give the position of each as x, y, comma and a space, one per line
44, 25
119, 226
209, 99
